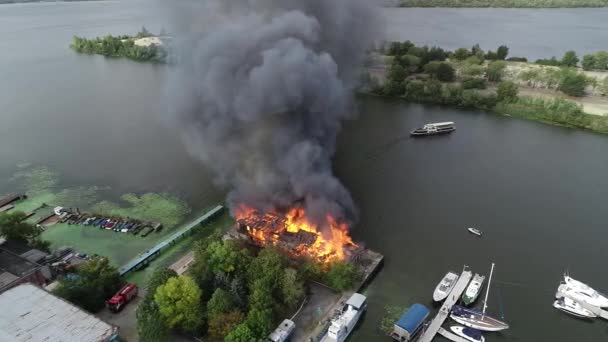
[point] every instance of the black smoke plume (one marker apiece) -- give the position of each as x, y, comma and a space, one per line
261, 89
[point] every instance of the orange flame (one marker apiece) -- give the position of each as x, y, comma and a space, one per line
265, 228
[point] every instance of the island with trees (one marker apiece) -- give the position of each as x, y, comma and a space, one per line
552, 91
504, 3
144, 46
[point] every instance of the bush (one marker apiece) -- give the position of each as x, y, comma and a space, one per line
342, 275
517, 59
496, 71
441, 71
507, 91
573, 84
461, 54
550, 62
570, 59
474, 83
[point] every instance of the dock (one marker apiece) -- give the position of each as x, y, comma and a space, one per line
145, 258
444, 312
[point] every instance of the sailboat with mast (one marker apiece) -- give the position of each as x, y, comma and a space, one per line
478, 320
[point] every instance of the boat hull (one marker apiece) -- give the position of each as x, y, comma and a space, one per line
477, 320
424, 134
580, 314
460, 332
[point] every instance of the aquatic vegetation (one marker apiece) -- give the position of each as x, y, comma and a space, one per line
37, 180
391, 315
80, 197
158, 207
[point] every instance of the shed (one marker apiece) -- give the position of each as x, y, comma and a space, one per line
410, 322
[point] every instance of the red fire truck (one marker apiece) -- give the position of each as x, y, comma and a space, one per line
122, 297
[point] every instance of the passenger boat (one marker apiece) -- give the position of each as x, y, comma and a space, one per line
475, 231
445, 286
585, 291
478, 320
434, 129
468, 334
342, 325
572, 307
473, 290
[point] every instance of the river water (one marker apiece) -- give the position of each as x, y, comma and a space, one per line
538, 192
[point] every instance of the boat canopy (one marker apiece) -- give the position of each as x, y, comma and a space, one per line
412, 318
473, 333
356, 300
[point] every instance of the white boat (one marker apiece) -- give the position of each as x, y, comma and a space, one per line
445, 286
586, 291
565, 290
572, 307
434, 129
475, 231
473, 290
478, 320
342, 325
468, 334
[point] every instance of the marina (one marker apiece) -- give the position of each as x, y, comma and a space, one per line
444, 311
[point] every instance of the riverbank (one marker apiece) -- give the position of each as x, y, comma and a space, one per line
504, 3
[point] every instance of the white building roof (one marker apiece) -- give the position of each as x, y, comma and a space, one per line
32, 314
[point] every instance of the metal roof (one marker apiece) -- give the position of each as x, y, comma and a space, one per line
413, 317
31, 314
356, 300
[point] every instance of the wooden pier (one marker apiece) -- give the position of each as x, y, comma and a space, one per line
444, 312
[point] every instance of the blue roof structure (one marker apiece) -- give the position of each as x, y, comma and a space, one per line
412, 318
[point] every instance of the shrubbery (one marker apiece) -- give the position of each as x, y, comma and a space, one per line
119, 46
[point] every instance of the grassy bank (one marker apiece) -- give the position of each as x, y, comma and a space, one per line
505, 3
121, 46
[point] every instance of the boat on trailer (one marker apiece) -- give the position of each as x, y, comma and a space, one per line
434, 129
572, 307
445, 286
473, 290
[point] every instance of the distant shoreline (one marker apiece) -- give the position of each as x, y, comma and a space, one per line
10, 2
502, 3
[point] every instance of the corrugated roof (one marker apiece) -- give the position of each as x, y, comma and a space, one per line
412, 318
32, 314
356, 300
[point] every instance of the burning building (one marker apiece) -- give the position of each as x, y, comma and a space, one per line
291, 231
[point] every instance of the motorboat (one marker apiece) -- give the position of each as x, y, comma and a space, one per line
475, 231
585, 290
473, 290
572, 307
445, 286
565, 290
434, 129
468, 334
344, 323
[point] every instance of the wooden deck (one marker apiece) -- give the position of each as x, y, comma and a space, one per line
444, 311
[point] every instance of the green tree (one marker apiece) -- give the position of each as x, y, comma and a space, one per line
269, 264
151, 326
573, 83
259, 321
477, 51
496, 71
14, 227
474, 83
461, 54
570, 59
445, 72
292, 287
241, 333
179, 303
95, 282
158, 278
220, 303
502, 52
342, 275
397, 73
588, 62
221, 325
507, 91
227, 257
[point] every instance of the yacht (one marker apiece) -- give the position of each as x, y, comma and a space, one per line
473, 290
342, 325
434, 129
585, 290
468, 334
572, 307
445, 286
565, 290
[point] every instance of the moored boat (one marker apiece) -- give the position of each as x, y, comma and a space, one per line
342, 325
434, 129
475, 231
585, 291
473, 290
468, 334
445, 286
572, 307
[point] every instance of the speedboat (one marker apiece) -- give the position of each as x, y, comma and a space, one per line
468, 334
473, 290
572, 307
445, 286
434, 129
585, 290
475, 231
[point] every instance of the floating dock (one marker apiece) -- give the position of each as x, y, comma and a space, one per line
444, 312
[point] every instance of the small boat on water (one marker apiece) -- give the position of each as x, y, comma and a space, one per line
475, 231
572, 307
478, 320
445, 286
473, 290
343, 324
434, 129
468, 334
583, 290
